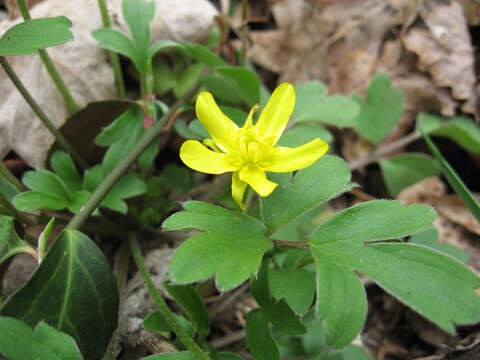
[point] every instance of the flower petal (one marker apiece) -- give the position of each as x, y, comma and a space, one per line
274, 117
291, 159
238, 189
218, 125
198, 157
257, 179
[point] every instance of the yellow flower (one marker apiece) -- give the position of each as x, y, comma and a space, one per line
249, 151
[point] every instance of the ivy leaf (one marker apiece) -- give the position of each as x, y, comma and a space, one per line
437, 286
31, 35
259, 339
231, 245
404, 170
74, 275
10, 242
277, 312
312, 186
382, 109
41, 343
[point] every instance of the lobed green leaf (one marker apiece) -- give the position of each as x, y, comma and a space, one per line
259, 339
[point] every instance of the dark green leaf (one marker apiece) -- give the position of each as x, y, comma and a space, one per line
429, 238
31, 35
259, 339
231, 247
155, 321
304, 133
128, 186
121, 128
454, 180
245, 81
193, 305
45, 181
34, 200
382, 109
296, 286
116, 41
63, 166
92, 178
203, 54
404, 170
10, 242
7, 189
461, 130
222, 88
187, 79
43, 343
312, 186
147, 159
277, 312
164, 44
179, 178
138, 15
73, 290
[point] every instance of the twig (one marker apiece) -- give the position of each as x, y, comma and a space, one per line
290, 244
62, 141
47, 61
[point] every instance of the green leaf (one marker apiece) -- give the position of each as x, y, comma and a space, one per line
460, 129
296, 286
155, 321
187, 79
341, 302
162, 44
34, 200
435, 285
74, 291
128, 186
43, 239
10, 242
31, 35
245, 82
147, 159
404, 170
222, 88
43, 343
193, 305
382, 109
63, 166
336, 110
138, 15
8, 189
163, 77
47, 182
307, 96
116, 41
203, 54
303, 133
454, 180
93, 177
259, 339
121, 128
231, 246
429, 238
179, 177
79, 198
312, 186
277, 312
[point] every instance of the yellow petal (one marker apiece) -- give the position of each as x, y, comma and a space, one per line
248, 123
257, 179
291, 159
198, 157
238, 189
274, 117
218, 125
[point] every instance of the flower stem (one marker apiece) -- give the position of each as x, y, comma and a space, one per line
114, 59
47, 61
189, 343
145, 140
62, 141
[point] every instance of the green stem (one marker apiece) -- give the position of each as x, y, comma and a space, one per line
114, 59
5, 173
145, 140
290, 244
243, 51
47, 61
169, 316
62, 141
20, 216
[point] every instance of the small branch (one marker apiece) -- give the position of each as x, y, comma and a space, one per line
243, 52
109, 181
169, 316
62, 141
114, 58
47, 61
384, 150
290, 244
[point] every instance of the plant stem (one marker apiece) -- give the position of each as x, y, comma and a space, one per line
114, 59
5, 173
290, 244
20, 216
189, 343
62, 141
47, 61
243, 51
145, 140
384, 150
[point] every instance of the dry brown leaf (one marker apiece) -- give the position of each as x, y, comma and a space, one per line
452, 208
83, 65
